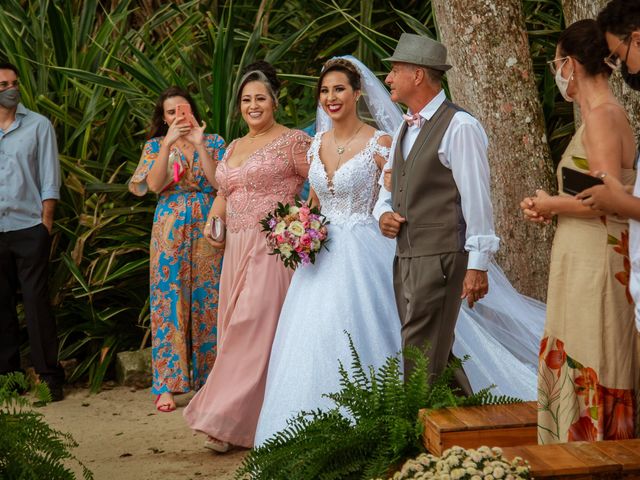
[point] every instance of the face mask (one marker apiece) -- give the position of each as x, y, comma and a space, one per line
10, 98
631, 79
563, 83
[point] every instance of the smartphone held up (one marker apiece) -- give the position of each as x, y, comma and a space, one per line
184, 114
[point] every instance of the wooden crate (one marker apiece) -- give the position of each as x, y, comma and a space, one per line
472, 427
609, 460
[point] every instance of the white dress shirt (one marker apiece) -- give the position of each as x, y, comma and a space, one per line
464, 151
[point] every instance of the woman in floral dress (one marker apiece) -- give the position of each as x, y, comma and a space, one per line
184, 268
589, 354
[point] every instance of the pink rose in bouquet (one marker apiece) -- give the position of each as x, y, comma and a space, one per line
303, 213
296, 233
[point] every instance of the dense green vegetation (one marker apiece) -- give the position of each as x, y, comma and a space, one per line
96, 67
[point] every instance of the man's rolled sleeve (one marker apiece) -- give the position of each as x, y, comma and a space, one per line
48, 163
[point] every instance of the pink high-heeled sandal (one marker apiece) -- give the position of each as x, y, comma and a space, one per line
164, 407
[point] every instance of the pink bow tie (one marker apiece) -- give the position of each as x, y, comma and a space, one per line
414, 119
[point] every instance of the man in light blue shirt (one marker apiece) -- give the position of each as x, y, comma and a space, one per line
29, 190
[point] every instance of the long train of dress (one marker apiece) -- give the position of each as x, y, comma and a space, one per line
501, 334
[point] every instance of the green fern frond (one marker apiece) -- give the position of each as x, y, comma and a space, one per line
358, 375
29, 447
485, 397
371, 429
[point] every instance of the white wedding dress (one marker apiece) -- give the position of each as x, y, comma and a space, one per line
349, 288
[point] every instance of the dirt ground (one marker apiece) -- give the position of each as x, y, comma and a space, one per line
122, 436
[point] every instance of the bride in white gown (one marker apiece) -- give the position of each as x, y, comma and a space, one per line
350, 287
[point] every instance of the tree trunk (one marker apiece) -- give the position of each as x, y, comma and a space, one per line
492, 77
575, 10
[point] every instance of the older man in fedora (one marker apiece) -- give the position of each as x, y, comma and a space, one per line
439, 208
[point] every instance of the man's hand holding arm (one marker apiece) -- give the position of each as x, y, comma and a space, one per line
390, 223
388, 220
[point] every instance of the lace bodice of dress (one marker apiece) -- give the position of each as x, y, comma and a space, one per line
274, 173
351, 195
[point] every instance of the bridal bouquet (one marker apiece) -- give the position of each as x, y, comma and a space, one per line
295, 232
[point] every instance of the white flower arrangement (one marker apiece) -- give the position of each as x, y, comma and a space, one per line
458, 463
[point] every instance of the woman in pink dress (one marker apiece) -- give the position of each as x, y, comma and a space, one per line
266, 166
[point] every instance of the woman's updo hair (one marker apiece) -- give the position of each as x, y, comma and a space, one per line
340, 65
584, 41
264, 73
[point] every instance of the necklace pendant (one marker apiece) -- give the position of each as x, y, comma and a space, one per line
340, 150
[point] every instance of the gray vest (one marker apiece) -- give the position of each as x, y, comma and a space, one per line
425, 193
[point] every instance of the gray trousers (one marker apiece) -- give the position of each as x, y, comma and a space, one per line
427, 291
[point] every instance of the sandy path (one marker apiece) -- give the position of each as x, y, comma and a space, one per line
123, 437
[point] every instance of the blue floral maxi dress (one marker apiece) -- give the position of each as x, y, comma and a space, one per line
184, 272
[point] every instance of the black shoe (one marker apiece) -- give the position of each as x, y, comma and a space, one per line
56, 392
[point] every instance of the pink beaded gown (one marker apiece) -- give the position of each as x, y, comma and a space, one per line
253, 285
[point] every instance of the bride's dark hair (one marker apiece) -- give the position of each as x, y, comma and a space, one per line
340, 65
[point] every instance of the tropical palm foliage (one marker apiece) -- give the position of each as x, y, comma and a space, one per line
95, 67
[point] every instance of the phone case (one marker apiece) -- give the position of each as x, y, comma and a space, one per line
183, 110
574, 182
175, 169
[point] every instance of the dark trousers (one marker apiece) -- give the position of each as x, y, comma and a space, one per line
24, 259
428, 293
